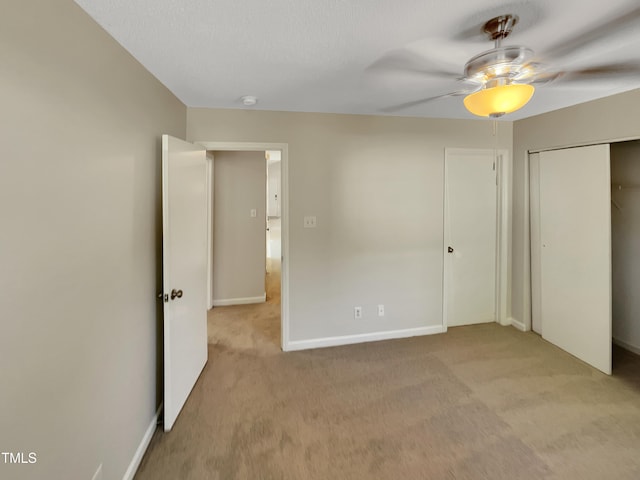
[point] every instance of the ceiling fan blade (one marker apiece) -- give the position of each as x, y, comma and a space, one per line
402, 106
600, 72
545, 78
536, 74
628, 21
618, 70
404, 60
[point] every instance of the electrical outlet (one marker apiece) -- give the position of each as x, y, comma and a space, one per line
381, 310
310, 222
357, 312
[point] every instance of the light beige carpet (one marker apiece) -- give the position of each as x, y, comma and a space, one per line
250, 327
480, 402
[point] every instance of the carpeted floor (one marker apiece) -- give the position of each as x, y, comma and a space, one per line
479, 402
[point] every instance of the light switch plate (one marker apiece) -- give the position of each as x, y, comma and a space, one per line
310, 222
254, 213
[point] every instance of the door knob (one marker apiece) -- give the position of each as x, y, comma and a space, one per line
450, 250
176, 293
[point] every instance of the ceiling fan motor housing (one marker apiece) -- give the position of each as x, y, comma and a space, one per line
500, 27
498, 63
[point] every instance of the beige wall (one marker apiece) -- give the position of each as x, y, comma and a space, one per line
376, 187
239, 240
80, 242
625, 240
611, 118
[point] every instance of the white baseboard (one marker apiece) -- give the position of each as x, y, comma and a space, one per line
240, 301
142, 448
517, 324
361, 338
627, 346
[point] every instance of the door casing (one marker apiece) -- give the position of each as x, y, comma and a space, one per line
284, 213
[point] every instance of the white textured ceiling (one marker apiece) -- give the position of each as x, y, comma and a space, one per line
320, 55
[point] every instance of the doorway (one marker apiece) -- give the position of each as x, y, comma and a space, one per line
625, 244
274, 225
239, 225
584, 231
270, 284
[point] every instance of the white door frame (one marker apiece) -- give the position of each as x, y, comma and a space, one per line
534, 243
503, 236
210, 208
284, 213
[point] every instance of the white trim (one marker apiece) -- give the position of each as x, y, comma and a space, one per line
584, 144
210, 210
224, 302
284, 212
526, 265
142, 448
503, 230
517, 324
363, 337
446, 259
627, 346
284, 238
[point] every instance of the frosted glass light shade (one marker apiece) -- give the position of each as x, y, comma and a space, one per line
496, 101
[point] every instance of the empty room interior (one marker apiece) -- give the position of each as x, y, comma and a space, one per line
291, 240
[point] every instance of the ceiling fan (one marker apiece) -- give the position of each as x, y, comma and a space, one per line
503, 79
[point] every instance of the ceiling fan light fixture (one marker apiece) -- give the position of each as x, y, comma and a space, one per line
498, 100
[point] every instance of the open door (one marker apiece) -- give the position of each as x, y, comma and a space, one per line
184, 255
575, 253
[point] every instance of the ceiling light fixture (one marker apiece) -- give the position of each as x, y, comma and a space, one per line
249, 100
494, 101
497, 71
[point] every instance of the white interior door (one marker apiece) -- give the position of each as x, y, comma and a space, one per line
534, 223
184, 226
470, 237
575, 258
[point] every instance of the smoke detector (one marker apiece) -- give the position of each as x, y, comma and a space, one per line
249, 100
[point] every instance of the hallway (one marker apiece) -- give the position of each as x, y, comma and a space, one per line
255, 325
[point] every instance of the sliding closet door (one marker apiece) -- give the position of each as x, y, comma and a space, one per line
575, 258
